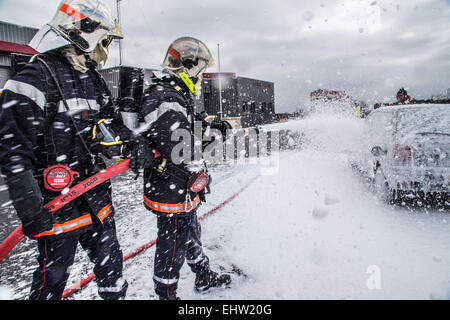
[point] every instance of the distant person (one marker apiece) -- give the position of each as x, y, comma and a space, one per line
403, 97
357, 109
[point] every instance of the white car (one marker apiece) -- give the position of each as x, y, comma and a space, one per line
407, 151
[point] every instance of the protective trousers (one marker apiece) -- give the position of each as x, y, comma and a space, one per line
56, 255
178, 240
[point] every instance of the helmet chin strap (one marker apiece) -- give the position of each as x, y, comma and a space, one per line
191, 86
90, 63
83, 61
99, 55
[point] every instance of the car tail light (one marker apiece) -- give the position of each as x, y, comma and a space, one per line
401, 154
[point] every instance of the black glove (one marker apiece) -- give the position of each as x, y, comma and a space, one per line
27, 200
140, 152
34, 225
222, 126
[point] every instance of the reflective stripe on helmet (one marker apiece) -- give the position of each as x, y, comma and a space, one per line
71, 12
174, 53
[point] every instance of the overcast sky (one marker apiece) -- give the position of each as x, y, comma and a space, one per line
368, 48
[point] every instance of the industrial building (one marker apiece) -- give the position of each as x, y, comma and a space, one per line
235, 97
239, 95
242, 98
14, 49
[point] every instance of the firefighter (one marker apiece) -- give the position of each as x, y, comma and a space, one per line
48, 111
174, 188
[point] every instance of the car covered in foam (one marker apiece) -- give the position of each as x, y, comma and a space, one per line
406, 151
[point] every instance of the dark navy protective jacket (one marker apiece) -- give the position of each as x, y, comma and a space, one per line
24, 102
167, 107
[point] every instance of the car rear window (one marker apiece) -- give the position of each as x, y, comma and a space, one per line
429, 119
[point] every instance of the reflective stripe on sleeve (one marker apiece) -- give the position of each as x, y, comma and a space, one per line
163, 108
27, 90
76, 104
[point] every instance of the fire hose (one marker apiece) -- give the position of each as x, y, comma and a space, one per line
85, 281
64, 198
17, 235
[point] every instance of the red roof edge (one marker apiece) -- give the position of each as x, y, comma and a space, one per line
17, 48
215, 75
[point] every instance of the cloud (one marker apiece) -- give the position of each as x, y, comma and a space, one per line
367, 48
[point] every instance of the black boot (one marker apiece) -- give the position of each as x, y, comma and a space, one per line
207, 279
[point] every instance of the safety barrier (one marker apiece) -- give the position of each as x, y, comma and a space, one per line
84, 282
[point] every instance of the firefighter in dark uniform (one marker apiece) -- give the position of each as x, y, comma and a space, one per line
49, 110
175, 185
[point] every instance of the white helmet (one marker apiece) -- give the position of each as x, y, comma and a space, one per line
190, 56
83, 23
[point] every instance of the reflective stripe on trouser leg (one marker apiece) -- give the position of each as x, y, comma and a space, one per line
115, 292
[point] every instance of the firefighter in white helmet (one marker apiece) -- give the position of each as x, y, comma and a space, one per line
57, 98
85, 26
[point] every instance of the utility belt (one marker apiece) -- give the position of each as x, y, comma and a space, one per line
195, 182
